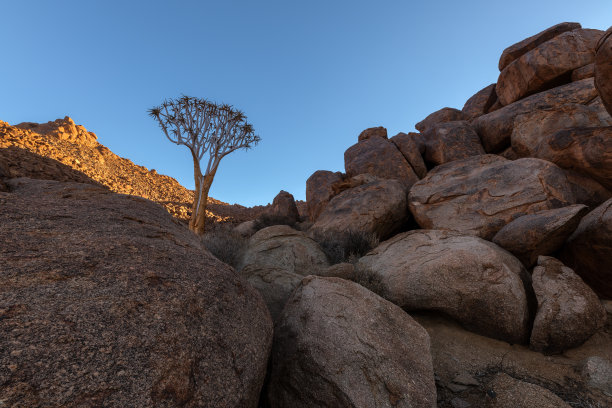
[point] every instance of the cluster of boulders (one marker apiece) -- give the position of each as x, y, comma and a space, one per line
497, 217
511, 194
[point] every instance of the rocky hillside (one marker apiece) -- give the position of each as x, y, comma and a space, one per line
486, 280
61, 150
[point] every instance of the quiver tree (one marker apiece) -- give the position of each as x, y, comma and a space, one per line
207, 129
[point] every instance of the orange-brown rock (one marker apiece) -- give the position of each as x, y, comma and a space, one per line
63, 129
465, 277
373, 132
530, 129
541, 233
603, 69
339, 345
586, 190
284, 206
380, 158
569, 312
108, 301
449, 141
378, 207
585, 150
547, 65
589, 249
517, 50
411, 146
587, 71
319, 191
481, 194
439, 116
496, 127
480, 103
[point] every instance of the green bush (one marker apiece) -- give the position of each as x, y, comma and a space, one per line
347, 246
225, 244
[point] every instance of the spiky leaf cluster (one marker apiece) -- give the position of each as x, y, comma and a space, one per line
204, 127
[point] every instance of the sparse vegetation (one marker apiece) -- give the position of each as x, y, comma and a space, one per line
225, 244
347, 246
267, 220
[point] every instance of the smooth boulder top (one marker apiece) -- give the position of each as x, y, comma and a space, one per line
439, 116
337, 344
467, 278
109, 301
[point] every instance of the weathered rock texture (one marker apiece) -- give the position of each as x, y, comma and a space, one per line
410, 146
547, 64
378, 207
513, 393
495, 128
517, 50
108, 301
587, 71
339, 345
585, 150
465, 277
275, 261
284, 206
481, 194
532, 128
379, 131
586, 190
449, 141
479, 103
589, 249
603, 69
440, 116
378, 157
541, 233
569, 312
319, 191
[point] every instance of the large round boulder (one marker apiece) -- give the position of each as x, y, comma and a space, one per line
549, 62
588, 250
108, 301
439, 116
339, 345
585, 150
319, 191
467, 278
378, 207
603, 69
449, 141
569, 312
479, 103
495, 128
535, 127
541, 233
276, 259
381, 158
410, 145
481, 194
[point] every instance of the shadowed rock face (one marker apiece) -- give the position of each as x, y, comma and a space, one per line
481, 194
108, 301
603, 69
516, 50
319, 191
541, 233
589, 249
480, 102
569, 312
465, 277
585, 150
284, 206
449, 141
379, 131
339, 345
410, 145
496, 127
378, 207
550, 62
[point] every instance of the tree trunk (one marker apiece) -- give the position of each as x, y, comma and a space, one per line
200, 199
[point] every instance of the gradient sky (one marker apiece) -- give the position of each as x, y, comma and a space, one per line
310, 75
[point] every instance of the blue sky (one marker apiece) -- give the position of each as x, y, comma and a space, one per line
309, 75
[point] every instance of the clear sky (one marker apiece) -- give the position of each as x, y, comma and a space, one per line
310, 75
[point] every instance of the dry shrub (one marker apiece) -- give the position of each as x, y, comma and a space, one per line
268, 220
224, 243
369, 280
346, 246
